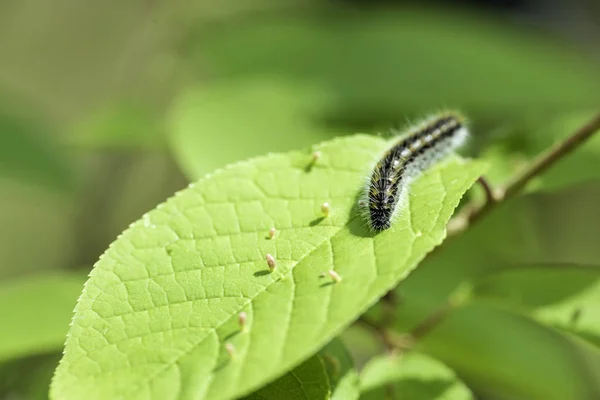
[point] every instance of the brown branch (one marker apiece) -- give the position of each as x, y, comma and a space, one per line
539, 165
544, 161
490, 196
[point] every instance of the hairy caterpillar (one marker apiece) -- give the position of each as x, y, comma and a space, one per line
422, 146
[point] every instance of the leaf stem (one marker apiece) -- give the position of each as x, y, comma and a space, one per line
514, 186
490, 197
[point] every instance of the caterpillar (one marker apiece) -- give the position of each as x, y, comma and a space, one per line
422, 146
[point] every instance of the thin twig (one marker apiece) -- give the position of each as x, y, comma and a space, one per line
490, 196
387, 337
545, 160
541, 164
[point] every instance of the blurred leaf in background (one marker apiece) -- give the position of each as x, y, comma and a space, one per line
520, 356
36, 183
36, 312
412, 376
505, 355
563, 296
388, 63
28, 377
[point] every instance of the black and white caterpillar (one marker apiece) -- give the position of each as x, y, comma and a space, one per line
418, 149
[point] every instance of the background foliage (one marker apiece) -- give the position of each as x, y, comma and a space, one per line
108, 108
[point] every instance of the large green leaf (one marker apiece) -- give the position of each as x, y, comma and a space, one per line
412, 376
35, 313
379, 63
161, 303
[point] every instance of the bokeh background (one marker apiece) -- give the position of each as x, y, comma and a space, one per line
108, 107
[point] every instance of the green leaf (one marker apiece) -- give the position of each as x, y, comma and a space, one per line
330, 374
307, 381
35, 313
379, 62
412, 376
340, 369
563, 296
283, 114
28, 378
160, 304
508, 355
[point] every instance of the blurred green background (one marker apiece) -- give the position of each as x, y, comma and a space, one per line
107, 108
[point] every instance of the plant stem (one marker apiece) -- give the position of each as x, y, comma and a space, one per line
545, 160
539, 165
487, 188
387, 337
